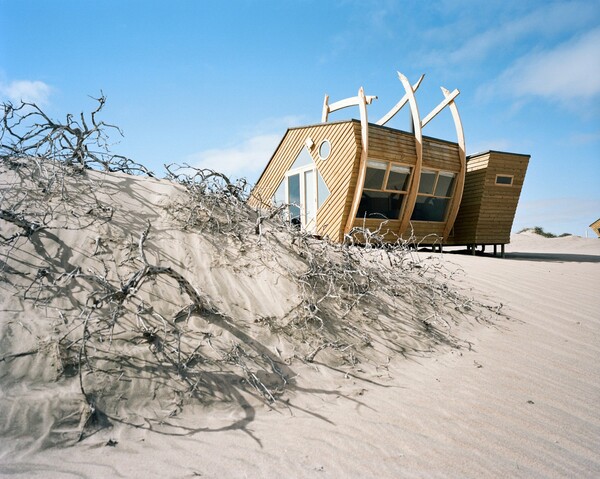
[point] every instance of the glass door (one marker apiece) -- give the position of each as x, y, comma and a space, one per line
301, 196
309, 219
293, 199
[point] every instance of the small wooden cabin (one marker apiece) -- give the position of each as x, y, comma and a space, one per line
596, 227
340, 178
493, 184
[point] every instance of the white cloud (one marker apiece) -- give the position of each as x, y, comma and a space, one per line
25, 90
571, 70
549, 20
487, 30
246, 159
585, 138
564, 74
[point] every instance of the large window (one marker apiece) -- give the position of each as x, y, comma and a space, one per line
384, 190
435, 192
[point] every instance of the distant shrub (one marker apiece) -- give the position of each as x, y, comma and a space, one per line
538, 230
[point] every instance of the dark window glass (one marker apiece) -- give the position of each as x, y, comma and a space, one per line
375, 174
398, 178
444, 184
294, 198
427, 182
504, 180
378, 204
428, 208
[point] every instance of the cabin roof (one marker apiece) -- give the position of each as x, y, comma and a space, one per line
473, 155
371, 125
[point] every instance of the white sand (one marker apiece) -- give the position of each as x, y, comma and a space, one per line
522, 402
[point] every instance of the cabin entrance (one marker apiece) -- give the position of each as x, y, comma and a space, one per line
303, 190
302, 198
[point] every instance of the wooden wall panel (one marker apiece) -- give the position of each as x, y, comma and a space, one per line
487, 210
399, 147
440, 155
336, 170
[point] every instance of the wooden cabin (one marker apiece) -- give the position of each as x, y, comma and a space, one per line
596, 227
493, 184
349, 177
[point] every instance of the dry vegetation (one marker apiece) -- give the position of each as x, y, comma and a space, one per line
101, 295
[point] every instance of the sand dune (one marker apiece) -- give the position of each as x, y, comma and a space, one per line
519, 398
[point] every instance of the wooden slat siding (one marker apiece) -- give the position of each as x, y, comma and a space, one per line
465, 226
388, 229
596, 226
440, 155
396, 146
348, 185
421, 229
335, 170
271, 178
487, 211
399, 147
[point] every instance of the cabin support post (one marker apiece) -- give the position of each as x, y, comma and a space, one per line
473, 249
495, 250
502, 250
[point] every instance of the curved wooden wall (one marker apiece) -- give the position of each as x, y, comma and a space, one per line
339, 171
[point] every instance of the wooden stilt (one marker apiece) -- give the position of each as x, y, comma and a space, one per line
495, 249
502, 250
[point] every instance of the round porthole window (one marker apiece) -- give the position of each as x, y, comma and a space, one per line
324, 149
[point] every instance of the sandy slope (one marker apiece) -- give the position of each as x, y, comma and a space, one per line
520, 402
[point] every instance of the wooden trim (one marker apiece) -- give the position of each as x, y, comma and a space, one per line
319, 149
398, 106
460, 183
362, 169
413, 188
449, 98
345, 103
325, 112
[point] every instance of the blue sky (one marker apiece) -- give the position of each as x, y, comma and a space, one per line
217, 83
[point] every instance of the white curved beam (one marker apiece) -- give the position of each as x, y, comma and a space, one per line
413, 188
449, 98
325, 113
364, 154
398, 106
345, 103
462, 153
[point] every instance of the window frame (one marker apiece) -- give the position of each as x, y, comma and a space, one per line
384, 189
324, 158
433, 195
386, 176
512, 179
